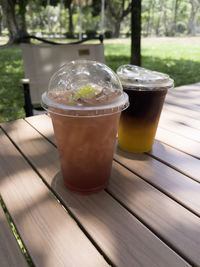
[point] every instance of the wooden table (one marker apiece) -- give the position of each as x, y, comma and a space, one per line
148, 215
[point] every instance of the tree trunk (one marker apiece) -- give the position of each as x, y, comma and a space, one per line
136, 32
30, 11
118, 13
165, 19
8, 8
48, 16
173, 29
41, 21
149, 18
71, 26
117, 29
22, 19
1, 18
68, 5
102, 17
191, 21
157, 27
60, 17
80, 23
152, 17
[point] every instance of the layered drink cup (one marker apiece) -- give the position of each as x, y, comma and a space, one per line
146, 90
85, 100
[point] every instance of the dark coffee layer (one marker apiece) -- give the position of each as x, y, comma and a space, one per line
145, 105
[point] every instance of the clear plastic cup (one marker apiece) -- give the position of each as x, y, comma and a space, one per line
85, 100
146, 90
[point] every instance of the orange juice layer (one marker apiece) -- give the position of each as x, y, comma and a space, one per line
138, 123
136, 137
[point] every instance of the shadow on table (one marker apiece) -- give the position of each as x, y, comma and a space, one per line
105, 221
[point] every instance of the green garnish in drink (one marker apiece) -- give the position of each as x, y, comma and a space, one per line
86, 92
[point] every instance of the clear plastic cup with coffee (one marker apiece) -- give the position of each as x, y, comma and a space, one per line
85, 100
146, 90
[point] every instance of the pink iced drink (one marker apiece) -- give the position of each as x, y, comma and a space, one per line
85, 122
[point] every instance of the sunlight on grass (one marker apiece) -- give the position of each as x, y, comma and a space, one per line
180, 60
3, 40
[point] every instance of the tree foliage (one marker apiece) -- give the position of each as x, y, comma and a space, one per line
53, 17
171, 17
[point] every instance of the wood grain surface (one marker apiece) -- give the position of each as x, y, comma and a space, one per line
147, 216
166, 179
51, 236
180, 120
187, 113
177, 226
181, 125
185, 96
117, 232
176, 159
175, 184
179, 142
171, 156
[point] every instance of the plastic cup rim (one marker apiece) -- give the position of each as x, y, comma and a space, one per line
109, 109
147, 87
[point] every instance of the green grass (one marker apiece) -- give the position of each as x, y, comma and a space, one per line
26, 255
180, 61
178, 57
11, 92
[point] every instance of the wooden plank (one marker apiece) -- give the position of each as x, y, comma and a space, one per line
44, 124
189, 128
181, 111
148, 166
172, 139
185, 92
181, 119
51, 236
188, 88
10, 253
182, 162
177, 159
176, 225
118, 233
48, 131
192, 103
187, 96
179, 142
183, 189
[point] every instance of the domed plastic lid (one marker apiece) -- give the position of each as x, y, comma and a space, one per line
84, 88
138, 78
